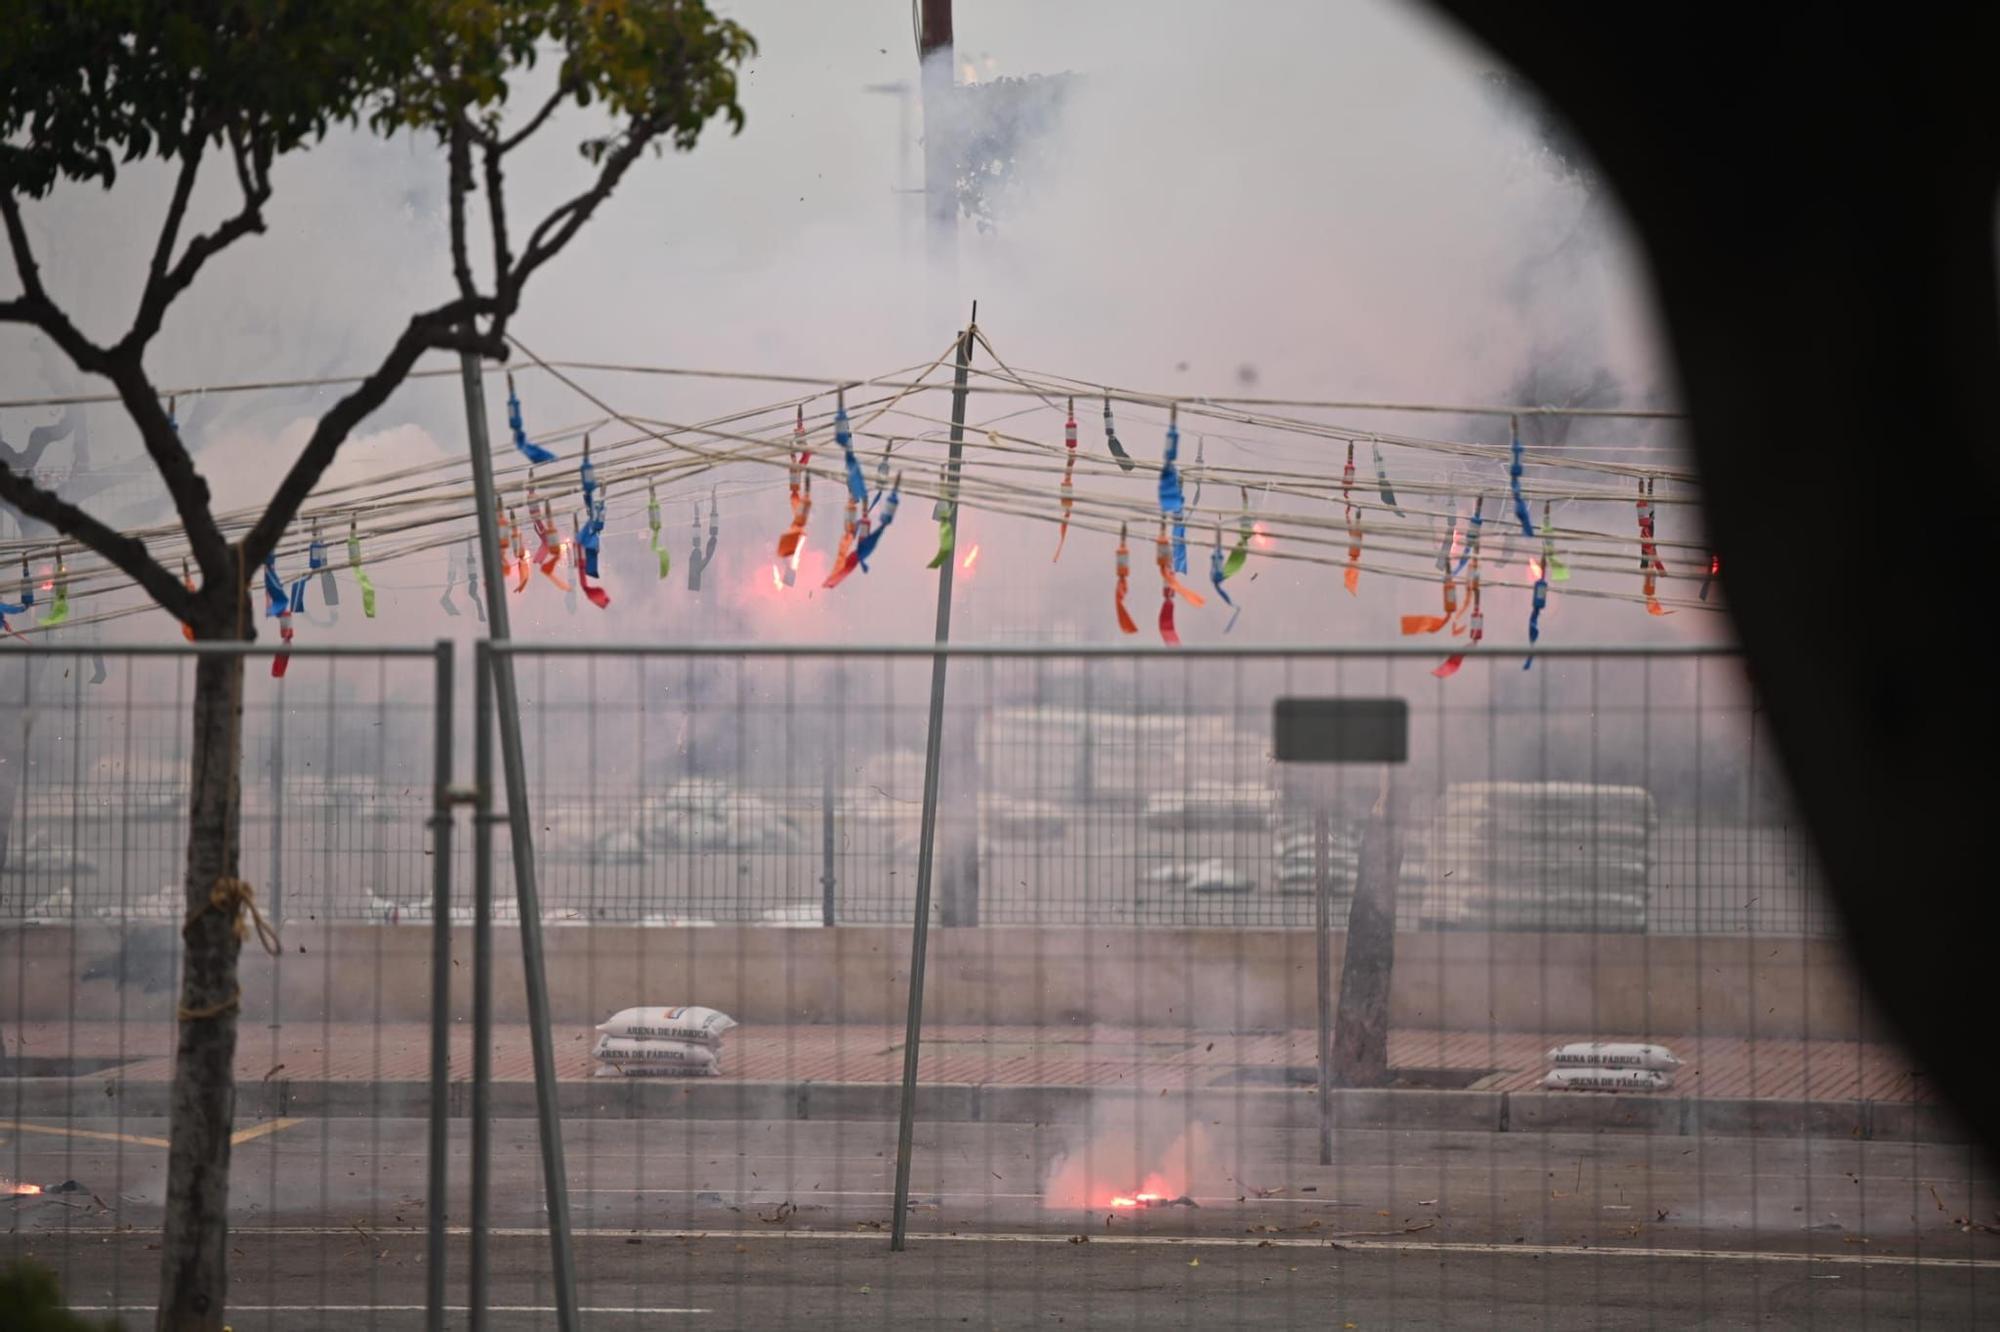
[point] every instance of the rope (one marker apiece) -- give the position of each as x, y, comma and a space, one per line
232, 897
213, 1010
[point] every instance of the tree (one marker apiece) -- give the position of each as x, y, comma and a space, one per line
91, 84
1361, 1031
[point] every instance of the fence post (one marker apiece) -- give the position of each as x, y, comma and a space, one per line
277, 884
507, 713
826, 911
1322, 835
482, 986
441, 818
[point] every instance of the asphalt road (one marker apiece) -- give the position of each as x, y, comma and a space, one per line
772, 1224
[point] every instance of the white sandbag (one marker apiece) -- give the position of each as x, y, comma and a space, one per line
704, 1025
1608, 1079
656, 1071
623, 1050
1613, 1054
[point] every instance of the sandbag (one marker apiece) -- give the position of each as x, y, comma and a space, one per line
703, 1025
1613, 1054
623, 1050
1608, 1079
656, 1071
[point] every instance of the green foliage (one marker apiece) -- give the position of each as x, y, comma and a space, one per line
31, 1301
86, 85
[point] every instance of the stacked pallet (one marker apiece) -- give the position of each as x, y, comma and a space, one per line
1540, 856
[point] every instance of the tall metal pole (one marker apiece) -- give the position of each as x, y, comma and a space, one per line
1322, 927
555, 1180
440, 1126
927, 838
277, 904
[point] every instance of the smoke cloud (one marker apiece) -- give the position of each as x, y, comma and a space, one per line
1320, 200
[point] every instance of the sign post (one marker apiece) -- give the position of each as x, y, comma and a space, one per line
1309, 734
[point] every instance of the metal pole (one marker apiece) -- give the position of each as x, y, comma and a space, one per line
1322, 925
521, 831
926, 840
441, 818
826, 912
482, 983
277, 906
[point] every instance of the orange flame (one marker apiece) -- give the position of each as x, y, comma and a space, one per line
1141, 1199
777, 579
971, 556
1260, 537
24, 1190
1534, 570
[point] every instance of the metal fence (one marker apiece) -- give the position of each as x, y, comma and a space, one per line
785, 789
1123, 1031
93, 785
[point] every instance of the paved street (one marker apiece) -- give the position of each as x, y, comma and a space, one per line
768, 1223
344, 1281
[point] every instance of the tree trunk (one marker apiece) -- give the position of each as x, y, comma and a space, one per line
194, 1271
13, 771
14, 759
1361, 1028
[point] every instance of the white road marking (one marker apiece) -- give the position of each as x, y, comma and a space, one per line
1189, 1242
234, 1307
952, 1199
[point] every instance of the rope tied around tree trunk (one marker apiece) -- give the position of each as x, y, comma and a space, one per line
233, 898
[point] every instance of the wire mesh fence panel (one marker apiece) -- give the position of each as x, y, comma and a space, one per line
1591, 1045
675, 790
332, 1042
1603, 1050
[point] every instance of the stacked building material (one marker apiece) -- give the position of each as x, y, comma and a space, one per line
1540, 856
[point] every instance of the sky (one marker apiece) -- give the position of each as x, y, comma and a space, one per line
1315, 200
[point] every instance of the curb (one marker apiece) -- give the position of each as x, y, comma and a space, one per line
1255, 1107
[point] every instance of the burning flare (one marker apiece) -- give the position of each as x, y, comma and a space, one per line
971, 556
23, 1190
1153, 1200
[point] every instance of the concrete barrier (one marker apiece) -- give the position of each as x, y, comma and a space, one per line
1294, 1109
1192, 979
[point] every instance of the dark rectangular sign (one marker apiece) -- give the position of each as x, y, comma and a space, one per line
1341, 730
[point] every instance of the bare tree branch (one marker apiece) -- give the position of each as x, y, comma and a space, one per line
163, 285
34, 306
459, 154
122, 366
535, 122
170, 229
129, 554
185, 484
559, 227
433, 329
496, 216
39, 439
